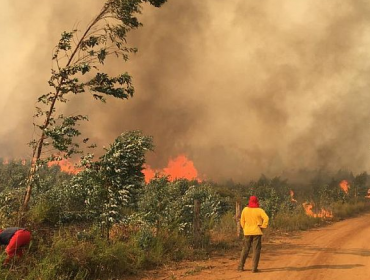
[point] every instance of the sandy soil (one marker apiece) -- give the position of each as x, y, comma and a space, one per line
338, 251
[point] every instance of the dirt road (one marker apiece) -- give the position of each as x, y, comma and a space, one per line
338, 251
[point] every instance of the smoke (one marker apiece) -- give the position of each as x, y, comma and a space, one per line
240, 87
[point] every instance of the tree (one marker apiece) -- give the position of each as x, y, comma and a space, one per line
12, 174
360, 185
113, 181
77, 59
170, 205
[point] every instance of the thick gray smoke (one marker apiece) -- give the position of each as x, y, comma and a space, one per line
240, 87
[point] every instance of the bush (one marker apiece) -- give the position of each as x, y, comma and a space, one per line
295, 220
225, 229
44, 212
346, 210
68, 256
170, 205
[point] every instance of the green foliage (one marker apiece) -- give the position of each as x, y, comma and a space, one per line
360, 185
327, 194
170, 205
346, 210
70, 258
44, 212
13, 173
66, 256
156, 3
78, 59
10, 201
100, 193
273, 194
64, 133
294, 220
226, 228
156, 202
156, 220
76, 55
106, 186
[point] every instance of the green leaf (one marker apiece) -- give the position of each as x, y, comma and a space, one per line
102, 54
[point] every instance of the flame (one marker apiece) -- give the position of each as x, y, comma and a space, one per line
148, 172
180, 167
344, 185
323, 213
22, 161
292, 199
65, 166
368, 194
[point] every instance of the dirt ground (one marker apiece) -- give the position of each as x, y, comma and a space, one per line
337, 251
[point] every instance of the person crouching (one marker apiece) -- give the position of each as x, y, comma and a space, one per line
15, 239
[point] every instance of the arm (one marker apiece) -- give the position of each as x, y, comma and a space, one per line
242, 219
265, 219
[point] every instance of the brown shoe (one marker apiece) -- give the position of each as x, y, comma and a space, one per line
240, 268
255, 270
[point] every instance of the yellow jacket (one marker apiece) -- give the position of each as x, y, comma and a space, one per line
252, 220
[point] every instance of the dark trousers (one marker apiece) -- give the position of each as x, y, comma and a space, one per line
249, 241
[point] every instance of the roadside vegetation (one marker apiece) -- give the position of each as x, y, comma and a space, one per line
106, 222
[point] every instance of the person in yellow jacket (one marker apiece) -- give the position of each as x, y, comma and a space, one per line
252, 220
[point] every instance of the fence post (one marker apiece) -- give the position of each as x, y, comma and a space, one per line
196, 223
237, 217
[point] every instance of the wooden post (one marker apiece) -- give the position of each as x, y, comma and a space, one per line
196, 223
237, 217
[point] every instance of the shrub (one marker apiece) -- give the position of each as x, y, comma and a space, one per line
295, 220
225, 229
345, 210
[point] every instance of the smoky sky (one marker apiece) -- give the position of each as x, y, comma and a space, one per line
240, 87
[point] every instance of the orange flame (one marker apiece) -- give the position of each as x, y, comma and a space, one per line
344, 185
180, 167
292, 199
368, 194
308, 207
65, 166
22, 161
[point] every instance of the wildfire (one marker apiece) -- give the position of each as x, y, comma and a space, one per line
292, 199
368, 194
22, 161
323, 213
344, 185
65, 166
180, 167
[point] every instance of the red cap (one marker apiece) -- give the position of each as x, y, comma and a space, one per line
253, 202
